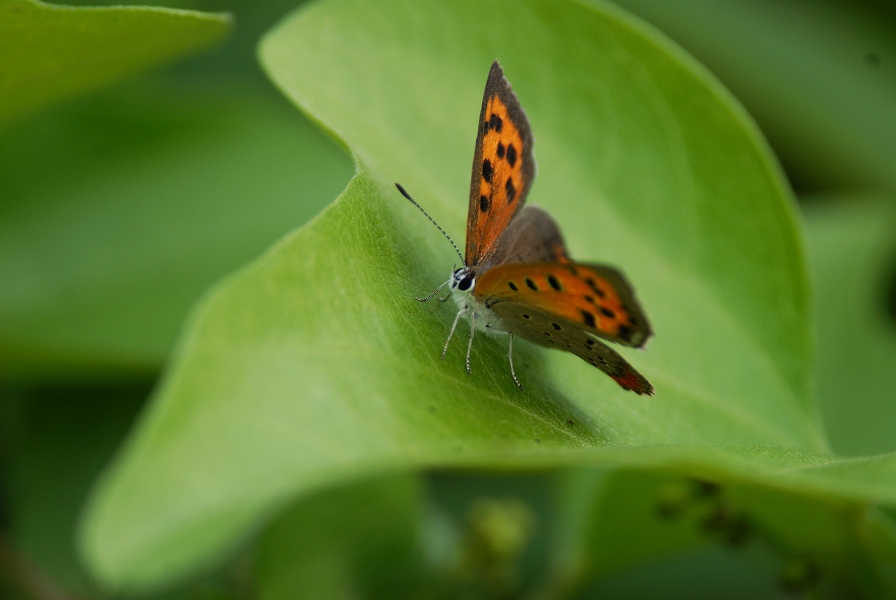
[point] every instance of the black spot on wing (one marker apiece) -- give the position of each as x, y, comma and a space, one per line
511, 190
607, 312
484, 203
487, 171
593, 285
500, 150
554, 283
513, 286
556, 326
495, 123
511, 154
531, 284
589, 318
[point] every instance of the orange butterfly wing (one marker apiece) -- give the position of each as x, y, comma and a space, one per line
595, 298
503, 167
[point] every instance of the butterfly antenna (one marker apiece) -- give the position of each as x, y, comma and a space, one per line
408, 196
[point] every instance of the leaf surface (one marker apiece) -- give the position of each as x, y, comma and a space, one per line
50, 52
314, 365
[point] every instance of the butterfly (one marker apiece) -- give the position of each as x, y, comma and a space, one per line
517, 278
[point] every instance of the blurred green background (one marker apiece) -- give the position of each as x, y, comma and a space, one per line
124, 200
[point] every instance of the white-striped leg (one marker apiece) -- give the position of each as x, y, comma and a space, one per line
470, 343
460, 313
434, 292
510, 356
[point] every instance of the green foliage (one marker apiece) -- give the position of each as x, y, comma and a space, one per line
344, 542
48, 53
104, 250
853, 254
817, 76
305, 440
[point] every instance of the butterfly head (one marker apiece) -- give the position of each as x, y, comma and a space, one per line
463, 280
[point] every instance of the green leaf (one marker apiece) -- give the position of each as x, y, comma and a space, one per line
314, 365
822, 92
343, 542
120, 210
638, 525
620, 524
50, 52
236, 55
852, 247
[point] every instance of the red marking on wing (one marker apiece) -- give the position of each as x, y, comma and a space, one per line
633, 382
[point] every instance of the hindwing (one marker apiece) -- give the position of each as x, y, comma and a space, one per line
596, 298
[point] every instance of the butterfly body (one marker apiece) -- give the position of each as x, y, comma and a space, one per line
472, 306
517, 279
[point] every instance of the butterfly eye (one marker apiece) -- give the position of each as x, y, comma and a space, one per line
465, 283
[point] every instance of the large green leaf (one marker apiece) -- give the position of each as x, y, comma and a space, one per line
853, 250
314, 365
119, 210
50, 52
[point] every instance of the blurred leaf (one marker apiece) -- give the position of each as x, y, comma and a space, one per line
608, 521
643, 537
236, 54
52, 52
706, 573
343, 543
119, 211
490, 535
314, 365
819, 77
852, 246
645, 530
850, 545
